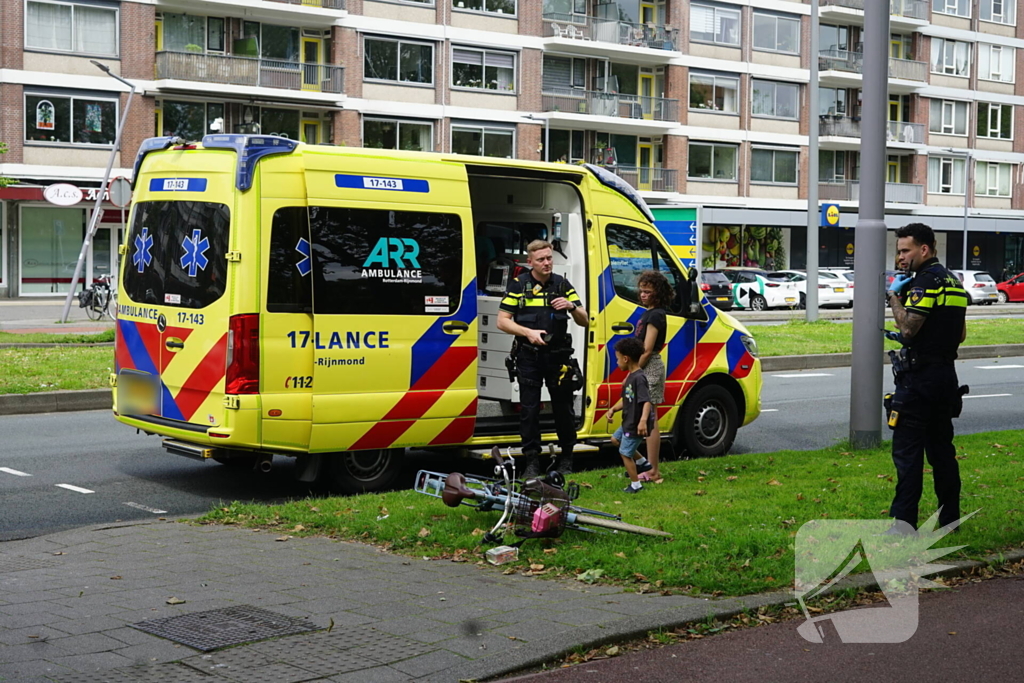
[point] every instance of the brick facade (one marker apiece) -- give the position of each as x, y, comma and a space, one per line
138, 40
12, 35
12, 122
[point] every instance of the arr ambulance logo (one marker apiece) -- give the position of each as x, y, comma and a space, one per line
398, 261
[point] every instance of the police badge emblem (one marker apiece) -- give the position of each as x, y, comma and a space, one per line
916, 294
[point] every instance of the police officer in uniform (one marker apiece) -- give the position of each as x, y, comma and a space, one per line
929, 309
536, 309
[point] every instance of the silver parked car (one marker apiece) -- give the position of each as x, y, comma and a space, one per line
980, 286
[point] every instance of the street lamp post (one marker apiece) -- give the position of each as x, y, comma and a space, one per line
811, 290
97, 211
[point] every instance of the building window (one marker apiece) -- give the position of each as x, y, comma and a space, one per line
68, 27
773, 166
711, 161
394, 134
483, 141
398, 61
946, 175
959, 8
831, 101
191, 120
992, 179
780, 100
831, 166
995, 63
506, 7
995, 121
948, 117
951, 57
280, 122
714, 93
76, 120
483, 69
710, 24
776, 33
999, 11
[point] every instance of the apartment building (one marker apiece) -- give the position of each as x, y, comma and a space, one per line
694, 103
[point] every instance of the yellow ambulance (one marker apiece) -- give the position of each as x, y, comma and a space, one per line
340, 305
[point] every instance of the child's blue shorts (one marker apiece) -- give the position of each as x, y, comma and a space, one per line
628, 445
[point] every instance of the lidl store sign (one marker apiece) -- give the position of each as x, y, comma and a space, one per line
829, 215
679, 227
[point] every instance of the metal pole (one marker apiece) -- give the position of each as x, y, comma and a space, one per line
866, 373
967, 201
547, 139
811, 296
97, 211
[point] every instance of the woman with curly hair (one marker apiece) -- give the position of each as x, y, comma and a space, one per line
655, 294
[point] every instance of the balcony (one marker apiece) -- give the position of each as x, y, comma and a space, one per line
908, 69
910, 9
325, 4
908, 133
610, 104
581, 27
847, 61
849, 127
647, 179
849, 191
250, 71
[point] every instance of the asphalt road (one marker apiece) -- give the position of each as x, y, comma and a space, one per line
85, 468
970, 633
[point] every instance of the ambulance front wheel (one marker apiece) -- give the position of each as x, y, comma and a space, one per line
363, 471
708, 423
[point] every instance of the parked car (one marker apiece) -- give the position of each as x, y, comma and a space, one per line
752, 289
1011, 290
717, 289
979, 285
827, 296
840, 285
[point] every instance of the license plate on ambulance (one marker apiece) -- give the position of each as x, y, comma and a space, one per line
137, 393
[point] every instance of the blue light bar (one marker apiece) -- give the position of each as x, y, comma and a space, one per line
250, 149
149, 145
616, 183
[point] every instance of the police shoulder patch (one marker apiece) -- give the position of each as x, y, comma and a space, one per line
916, 294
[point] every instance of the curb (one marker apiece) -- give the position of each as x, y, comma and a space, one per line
592, 637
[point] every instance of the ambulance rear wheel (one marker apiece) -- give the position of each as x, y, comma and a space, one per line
707, 426
363, 471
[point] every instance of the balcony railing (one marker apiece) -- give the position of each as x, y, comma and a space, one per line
647, 179
250, 71
580, 27
853, 62
610, 104
902, 131
912, 9
326, 4
849, 190
847, 127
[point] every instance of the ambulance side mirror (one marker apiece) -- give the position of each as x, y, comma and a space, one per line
691, 295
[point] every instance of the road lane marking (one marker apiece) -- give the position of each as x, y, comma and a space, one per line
76, 489
145, 508
996, 367
770, 410
16, 473
807, 374
987, 395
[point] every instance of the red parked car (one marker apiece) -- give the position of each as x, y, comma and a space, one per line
1012, 289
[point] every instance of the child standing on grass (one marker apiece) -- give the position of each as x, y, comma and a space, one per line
635, 404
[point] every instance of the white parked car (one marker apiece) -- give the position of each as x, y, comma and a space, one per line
828, 297
980, 286
751, 289
840, 284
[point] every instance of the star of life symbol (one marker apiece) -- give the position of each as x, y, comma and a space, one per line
305, 265
195, 249
143, 243
828, 550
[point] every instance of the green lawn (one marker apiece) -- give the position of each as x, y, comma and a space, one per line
23, 371
733, 518
50, 338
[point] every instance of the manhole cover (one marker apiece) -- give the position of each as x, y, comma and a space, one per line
224, 627
20, 563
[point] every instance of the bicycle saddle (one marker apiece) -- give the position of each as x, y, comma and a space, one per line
455, 490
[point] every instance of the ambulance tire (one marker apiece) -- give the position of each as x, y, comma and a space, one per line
708, 423
363, 471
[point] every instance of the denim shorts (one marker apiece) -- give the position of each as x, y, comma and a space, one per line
628, 445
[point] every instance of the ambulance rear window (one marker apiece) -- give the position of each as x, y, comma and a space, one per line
176, 253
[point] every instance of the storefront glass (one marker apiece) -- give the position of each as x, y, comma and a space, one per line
51, 239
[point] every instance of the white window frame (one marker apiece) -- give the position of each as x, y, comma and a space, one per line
838, 174
398, 122
483, 63
4, 253
993, 129
775, 103
777, 18
484, 129
953, 7
947, 66
117, 28
991, 170
947, 118
712, 178
71, 143
714, 87
774, 151
715, 10
995, 55
1003, 18
400, 42
457, 8
944, 165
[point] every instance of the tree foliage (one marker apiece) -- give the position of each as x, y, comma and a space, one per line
4, 182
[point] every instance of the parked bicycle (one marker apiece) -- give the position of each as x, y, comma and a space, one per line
536, 508
100, 298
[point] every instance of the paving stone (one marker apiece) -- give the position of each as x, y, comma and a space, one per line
98, 661
391, 650
24, 671
87, 644
533, 629
428, 663
163, 673
270, 673
478, 647
380, 674
97, 677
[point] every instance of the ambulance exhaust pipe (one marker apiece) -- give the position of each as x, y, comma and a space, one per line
264, 463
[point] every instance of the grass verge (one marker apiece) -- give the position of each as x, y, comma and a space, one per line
24, 371
733, 519
48, 338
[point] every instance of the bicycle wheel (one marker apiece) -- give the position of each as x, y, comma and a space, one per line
95, 308
620, 526
112, 305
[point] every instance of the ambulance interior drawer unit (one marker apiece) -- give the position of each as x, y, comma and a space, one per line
493, 347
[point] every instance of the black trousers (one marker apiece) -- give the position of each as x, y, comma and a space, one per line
537, 368
925, 399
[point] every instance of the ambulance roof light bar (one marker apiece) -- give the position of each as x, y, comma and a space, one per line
250, 149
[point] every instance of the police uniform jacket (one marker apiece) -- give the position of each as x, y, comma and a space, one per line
529, 302
938, 295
